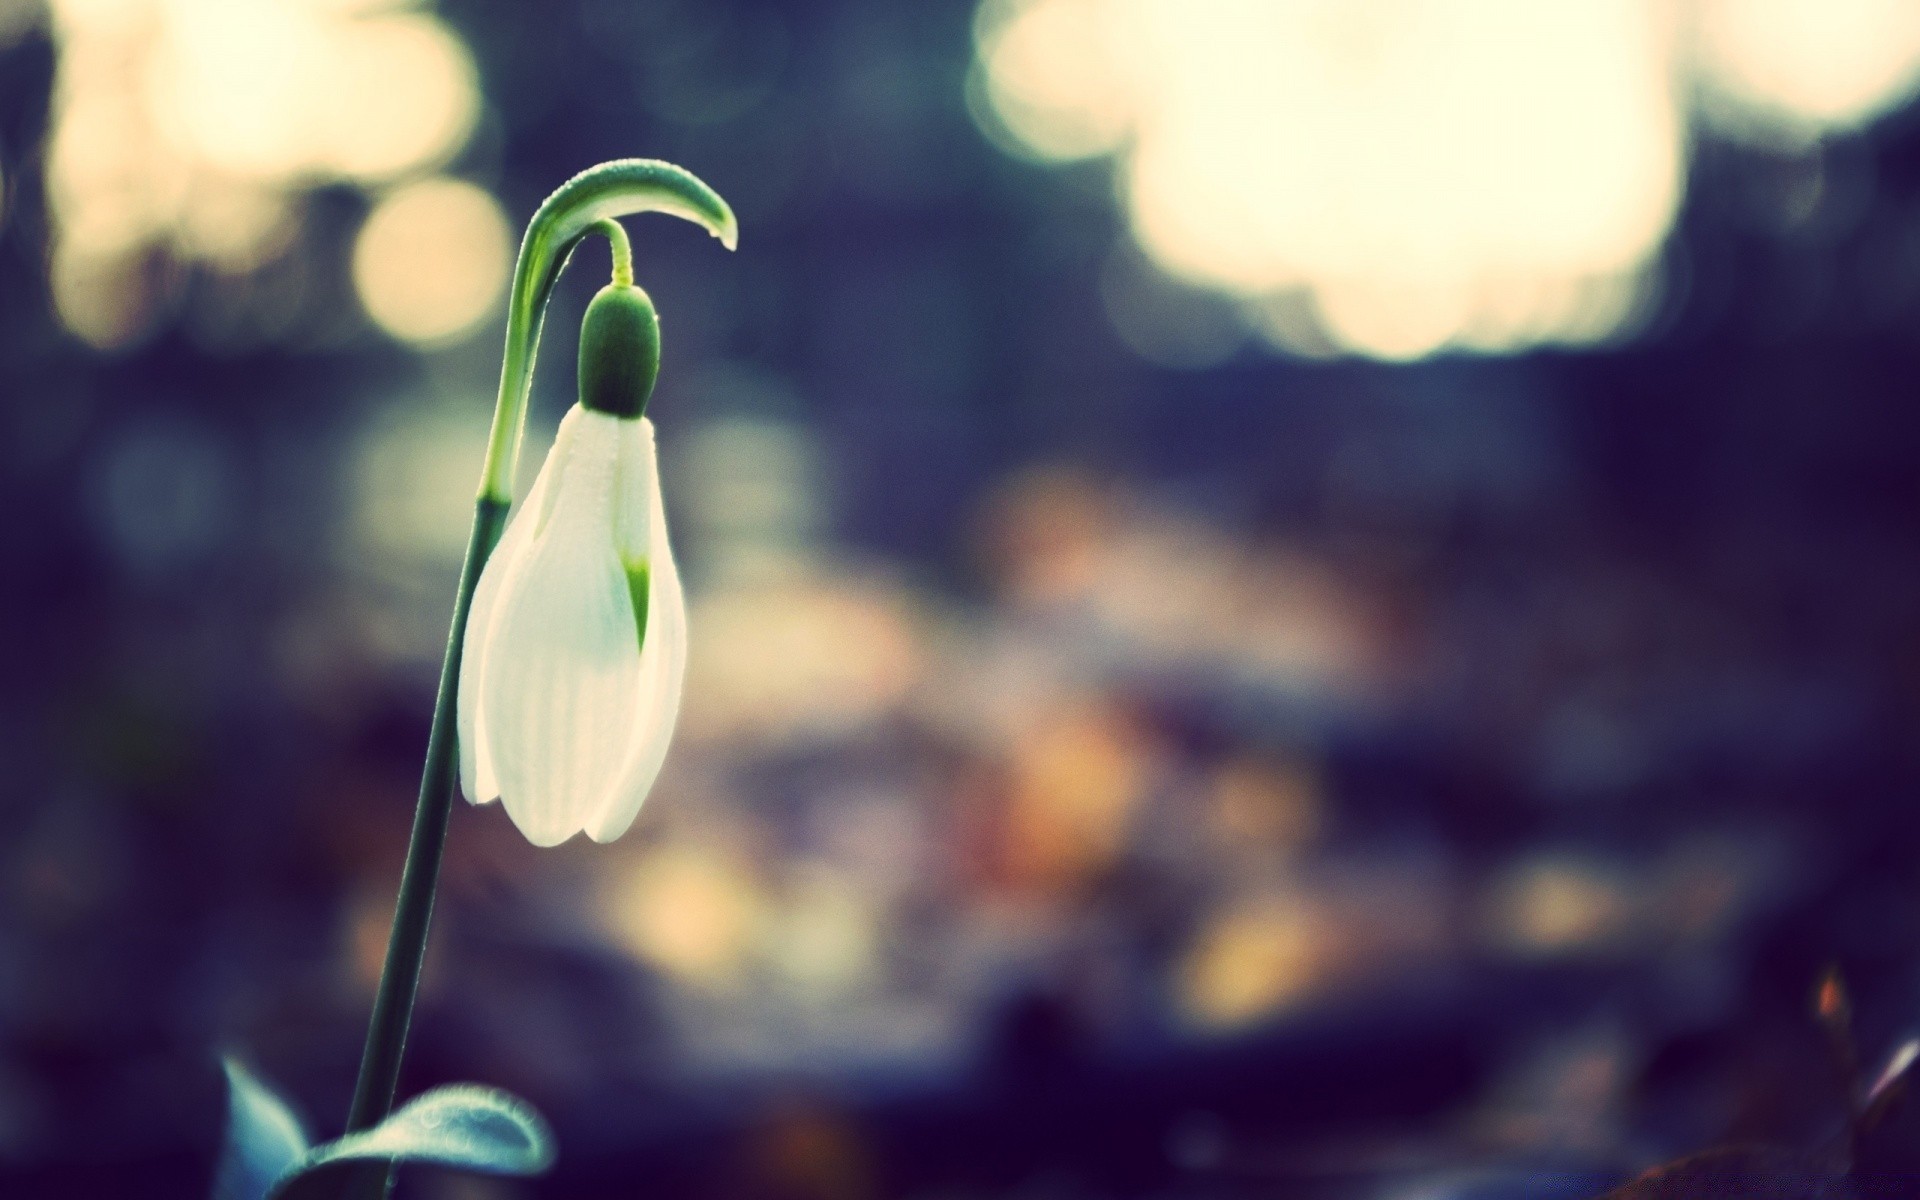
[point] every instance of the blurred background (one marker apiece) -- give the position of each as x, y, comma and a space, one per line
1291, 597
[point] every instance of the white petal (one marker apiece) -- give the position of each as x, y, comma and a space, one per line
476, 760
663, 659
637, 494
558, 688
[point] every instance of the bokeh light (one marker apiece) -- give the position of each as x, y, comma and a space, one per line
1794, 68
431, 259
1250, 961
692, 912
186, 131
408, 482
1484, 175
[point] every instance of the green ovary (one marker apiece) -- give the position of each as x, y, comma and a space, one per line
639, 579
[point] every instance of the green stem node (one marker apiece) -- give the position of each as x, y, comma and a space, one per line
620, 248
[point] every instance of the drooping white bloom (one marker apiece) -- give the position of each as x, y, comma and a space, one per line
577, 641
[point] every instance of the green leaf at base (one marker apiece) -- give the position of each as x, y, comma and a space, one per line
462, 1125
264, 1139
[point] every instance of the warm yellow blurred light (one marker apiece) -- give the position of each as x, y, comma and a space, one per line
1250, 961
1806, 64
187, 129
431, 259
403, 93
693, 912
1549, 905
1052, 75
232, 80
277, 89
1076, 781
1424, 174
233, 224
824, 936
816, 656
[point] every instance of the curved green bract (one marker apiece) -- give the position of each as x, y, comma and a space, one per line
611, 189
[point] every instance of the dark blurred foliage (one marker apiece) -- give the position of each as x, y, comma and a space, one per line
1653, 611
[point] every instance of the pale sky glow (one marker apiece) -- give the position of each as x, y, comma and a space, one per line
1396, 177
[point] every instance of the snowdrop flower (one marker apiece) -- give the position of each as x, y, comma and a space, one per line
577, 643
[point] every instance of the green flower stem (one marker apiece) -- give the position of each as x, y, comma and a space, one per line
407, 945
373, 1093
621, 249
584, 204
